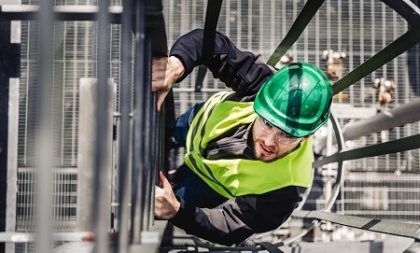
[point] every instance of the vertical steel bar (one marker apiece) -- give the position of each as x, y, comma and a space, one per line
159, 151
88, 183
86, 142
44, 143
149, 137
154, 157
138, 158
102, 124
12, 159
124, 143
351, 51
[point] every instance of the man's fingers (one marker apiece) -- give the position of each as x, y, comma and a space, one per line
161, 98
159, 61
159, 73
164, 181
158, 81
159, 191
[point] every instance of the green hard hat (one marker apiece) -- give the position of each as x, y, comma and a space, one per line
296, 99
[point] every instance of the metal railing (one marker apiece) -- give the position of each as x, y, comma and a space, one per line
141, 140
140, 156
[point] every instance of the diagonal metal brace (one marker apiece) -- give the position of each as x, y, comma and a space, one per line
403, 144
391, 227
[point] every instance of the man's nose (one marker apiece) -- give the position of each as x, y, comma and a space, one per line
270, 139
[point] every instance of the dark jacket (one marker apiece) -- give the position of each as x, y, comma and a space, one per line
239, 217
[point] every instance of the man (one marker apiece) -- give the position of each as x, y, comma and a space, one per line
248, 153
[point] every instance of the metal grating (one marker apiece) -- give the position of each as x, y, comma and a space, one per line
359, 28
74, 58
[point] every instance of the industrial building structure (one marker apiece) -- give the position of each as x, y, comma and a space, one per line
341, 36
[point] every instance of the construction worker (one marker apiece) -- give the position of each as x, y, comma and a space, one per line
248, 152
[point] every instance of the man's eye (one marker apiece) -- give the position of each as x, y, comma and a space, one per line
267, 124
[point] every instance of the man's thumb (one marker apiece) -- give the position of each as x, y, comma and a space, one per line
161, 98
165, 183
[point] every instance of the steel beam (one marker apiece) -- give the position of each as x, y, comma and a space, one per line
103, 126
391, 227
60, 12
414, 248
125, 132
44, 143
18, 237
12, 158
407, 9
395, 117
139, 116
85, 159
9, 100
403, 144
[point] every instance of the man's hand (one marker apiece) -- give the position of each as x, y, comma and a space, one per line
165, 72
166, 204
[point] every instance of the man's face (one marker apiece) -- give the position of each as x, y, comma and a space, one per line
270, 143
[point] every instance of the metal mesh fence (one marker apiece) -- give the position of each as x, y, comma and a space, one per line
382, 186
74, 58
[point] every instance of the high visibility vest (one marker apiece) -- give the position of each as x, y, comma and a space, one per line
237, 177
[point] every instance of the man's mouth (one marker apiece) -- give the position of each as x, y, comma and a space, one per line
265, 150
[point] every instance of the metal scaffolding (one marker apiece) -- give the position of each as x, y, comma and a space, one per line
52, 175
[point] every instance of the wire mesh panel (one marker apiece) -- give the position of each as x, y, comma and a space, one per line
74, 57
342, 35
356, 28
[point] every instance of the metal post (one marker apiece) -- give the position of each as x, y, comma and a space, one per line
101, 185
44, 148
124, 185
12, 161
8, 117
86, 174
149, 138
138, 153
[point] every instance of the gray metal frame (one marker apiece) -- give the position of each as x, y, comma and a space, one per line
124, 165
61, 13
145, 124
146, 127
12, 164
44, 146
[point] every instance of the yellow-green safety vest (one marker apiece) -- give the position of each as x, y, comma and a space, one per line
237, 177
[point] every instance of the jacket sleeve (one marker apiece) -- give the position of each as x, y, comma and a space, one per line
239, 217
240, 70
